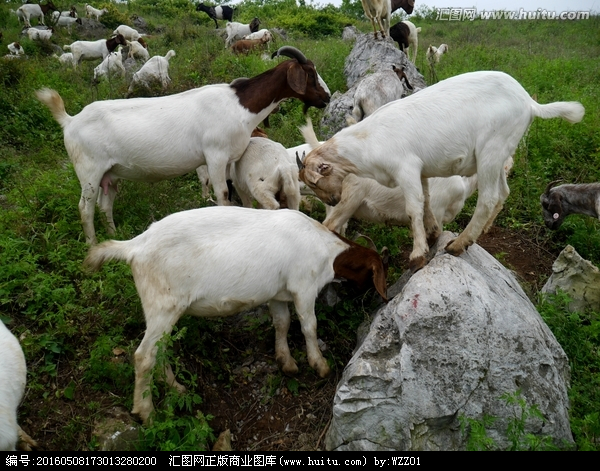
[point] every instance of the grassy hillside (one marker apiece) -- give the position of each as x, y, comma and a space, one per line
71, 323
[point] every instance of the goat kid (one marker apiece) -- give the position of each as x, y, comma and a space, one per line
560, 201
478, 118
245, 46
15, 49
91, 11
169, 136
268, 254
138, 50
128, 33
13, 377
156, 69
35, 34
113, 63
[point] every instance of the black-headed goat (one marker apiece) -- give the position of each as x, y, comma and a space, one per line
154, 139
219, 261
560, 201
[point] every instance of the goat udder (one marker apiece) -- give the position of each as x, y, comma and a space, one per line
106, 182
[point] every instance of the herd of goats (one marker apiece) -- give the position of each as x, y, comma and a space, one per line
221, 260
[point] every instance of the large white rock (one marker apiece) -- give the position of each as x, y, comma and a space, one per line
460, 333
577, 277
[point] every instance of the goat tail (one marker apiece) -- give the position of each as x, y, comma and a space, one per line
105, 252
572, 111
67, 47
308, 133
55, 103
170, 54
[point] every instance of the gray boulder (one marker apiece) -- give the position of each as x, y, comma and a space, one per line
368, 56
577, 277
459, 334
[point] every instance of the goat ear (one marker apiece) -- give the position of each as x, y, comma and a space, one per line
297, 78
379, 280
325, 169
311, 177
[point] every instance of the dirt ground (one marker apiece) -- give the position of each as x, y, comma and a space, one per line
263, 410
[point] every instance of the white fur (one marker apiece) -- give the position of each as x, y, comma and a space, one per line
469, 123
67, 22
39, 34
260, 34
264, 169
435, 53
29, 11
236, 31
15, 49
91, 11
219, 261
137, 51
155, 70
13, 376
379, 12
128, 32
113, 63
88, 50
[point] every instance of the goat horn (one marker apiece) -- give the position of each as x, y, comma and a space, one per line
368, 239
298, 161
550, 185
292, 52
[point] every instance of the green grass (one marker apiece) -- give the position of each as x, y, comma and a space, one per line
70, 322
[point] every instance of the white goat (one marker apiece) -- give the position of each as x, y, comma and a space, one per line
435, 53
13, 377
113, 63
65, 58
260, 34
39, 34
155, 70
68, 22
138, 51
237, 30
168, 136
379, 12
91, 11
92, 50
128, 32
72, 13
34, 10
377, 89
266, 173
264, 256
15, 49
468, 123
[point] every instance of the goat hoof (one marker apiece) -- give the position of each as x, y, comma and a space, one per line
432, 238
288, 367
417, 263
323, 370
456, 251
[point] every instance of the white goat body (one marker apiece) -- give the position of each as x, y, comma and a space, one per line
113, 63
154, 139
237, 30
379, 12
264, 171
15, 49
29, 11
92, 50
67, 22
468, 123
13, 377
39, 34
219, 261
260, 34
66, 58
128, 32
91, 11
156, 69
138, 51
435, 53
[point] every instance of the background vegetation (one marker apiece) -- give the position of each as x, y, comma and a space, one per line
71, 323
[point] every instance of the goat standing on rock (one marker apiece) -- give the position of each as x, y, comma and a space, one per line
152, 139
219, 261
470, 123
560, 201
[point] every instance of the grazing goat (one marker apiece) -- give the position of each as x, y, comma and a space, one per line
39, 34
245, 46
15, 49
65, 58
560, 201
237, 31
92, 50
435, 53
113, 63
406, 34
13, 377
264, 256
465, 124
72, 13
138, 50
68, 21
406, 5
34, 10
222, 12
376, 90
128, 33
379, 12
91, 11
153, 139
155, 70
266, 173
